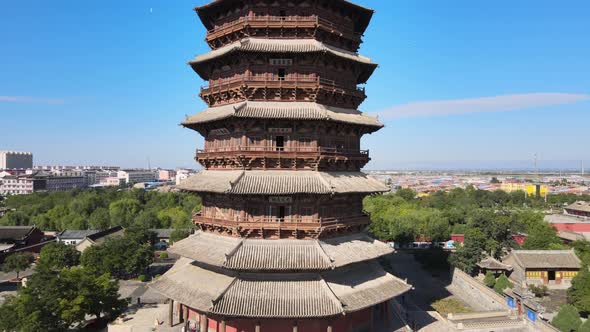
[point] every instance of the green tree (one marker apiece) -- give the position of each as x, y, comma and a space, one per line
579, 293
585, 327
124, 211
17, 262
57, 255
567, 319
122, 257
59, 300
179, 234
174, 217
490, 279
502, 283
472, 251
541, 236
99, 219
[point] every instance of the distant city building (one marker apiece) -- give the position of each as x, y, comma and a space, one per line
529, 188
16, 184
16, 160
182, 174
132, 176
59, 183
166, 175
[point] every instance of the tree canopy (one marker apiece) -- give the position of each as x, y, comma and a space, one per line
17, 262
101, 209
59, 300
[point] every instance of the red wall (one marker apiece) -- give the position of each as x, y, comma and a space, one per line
572, 227
341, 324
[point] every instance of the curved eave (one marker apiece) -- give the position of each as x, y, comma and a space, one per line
302, 111
282, 183
281, 46
284, 295
243, 254
364, 14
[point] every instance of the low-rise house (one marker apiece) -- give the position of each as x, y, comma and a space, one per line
13, 238
100, 237
553, 268
162, 234
75, 236
493, 265
580, 209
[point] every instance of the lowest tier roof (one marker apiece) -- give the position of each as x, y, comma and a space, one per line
242, 182
282, 110
285, 295
279, 255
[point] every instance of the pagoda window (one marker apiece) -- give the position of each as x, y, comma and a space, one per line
281, 73
279, 143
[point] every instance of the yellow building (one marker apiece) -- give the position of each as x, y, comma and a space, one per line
530, 188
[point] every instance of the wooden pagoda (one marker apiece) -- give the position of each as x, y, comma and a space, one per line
281, 243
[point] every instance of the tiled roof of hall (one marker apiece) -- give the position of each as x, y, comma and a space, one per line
363, 20
279, 182
282, 110
242, 254
280, 295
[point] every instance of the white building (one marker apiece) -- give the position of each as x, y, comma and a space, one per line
16, 160
132, 176
15, 184
183, 174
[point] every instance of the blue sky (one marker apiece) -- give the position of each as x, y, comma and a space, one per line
460, 82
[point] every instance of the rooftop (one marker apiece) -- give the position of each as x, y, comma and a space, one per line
15, 233
490, 263
539, 259
282, 182
579, 206
565, 219
282, 110
279, 255
279, 295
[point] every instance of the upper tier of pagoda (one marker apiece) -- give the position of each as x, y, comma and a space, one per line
335, 22
261, 69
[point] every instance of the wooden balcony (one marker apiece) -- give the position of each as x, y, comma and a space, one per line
289, 81
282, 152
282, 22
315, 226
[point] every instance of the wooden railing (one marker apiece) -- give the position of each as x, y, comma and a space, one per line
287, 149
272, 80
282, 223
281, 22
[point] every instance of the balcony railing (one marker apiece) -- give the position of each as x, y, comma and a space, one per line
286, 150
286, 223
281, 22
276, 81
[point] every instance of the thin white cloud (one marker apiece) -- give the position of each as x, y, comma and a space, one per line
485, 104
24, 99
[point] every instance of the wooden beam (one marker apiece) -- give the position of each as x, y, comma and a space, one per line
171, 312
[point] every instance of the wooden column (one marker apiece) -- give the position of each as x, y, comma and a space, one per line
180, 313
295, 328
223, 326
257, 329
372, 323
329, 329
171, 312
203, 323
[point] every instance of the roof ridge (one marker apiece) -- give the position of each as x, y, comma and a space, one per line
333, 297
324, 254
